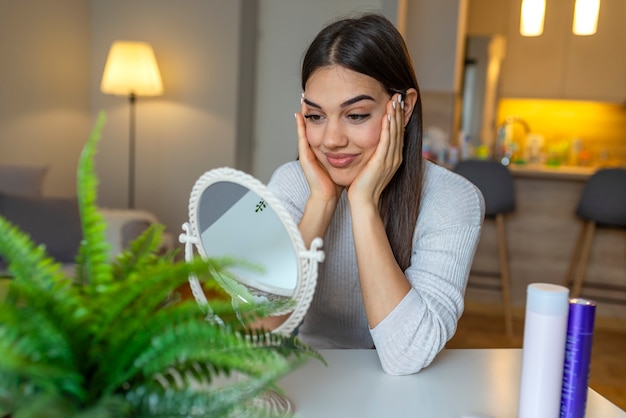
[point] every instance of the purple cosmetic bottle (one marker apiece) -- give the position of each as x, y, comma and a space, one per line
580, 325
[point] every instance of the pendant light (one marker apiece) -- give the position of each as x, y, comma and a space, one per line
533, 13
586, 17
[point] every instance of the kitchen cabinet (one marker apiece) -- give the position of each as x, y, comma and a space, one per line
595, 67
557, 64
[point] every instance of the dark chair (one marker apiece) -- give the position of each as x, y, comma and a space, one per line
602, 203
496, 184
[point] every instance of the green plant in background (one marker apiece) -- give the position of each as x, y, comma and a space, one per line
112, 341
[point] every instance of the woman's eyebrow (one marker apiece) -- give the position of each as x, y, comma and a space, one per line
344, 104
356, 99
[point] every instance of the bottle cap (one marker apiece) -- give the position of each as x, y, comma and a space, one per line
547, 299
582, 314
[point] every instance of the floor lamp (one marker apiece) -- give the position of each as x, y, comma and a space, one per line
131, 70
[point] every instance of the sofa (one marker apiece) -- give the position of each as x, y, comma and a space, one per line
54, 221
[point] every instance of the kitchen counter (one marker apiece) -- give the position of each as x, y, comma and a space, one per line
563, 172
542, 233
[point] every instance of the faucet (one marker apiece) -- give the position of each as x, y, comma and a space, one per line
509, 120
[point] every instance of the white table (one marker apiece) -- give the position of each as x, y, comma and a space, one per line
459, 382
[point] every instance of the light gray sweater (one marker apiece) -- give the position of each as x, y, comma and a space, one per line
444, 242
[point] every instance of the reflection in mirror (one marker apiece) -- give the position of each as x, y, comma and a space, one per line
226, 210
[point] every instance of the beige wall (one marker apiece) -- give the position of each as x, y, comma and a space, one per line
53, 54
188, 130
435, 36
44, 86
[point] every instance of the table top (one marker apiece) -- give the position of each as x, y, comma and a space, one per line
459, 383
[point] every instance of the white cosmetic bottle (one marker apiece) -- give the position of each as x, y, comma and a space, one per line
543, 352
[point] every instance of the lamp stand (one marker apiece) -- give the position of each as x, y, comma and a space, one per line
131, 152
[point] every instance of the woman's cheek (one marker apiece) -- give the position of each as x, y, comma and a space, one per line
370, 135
313, 135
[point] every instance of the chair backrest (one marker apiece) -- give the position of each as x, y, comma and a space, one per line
494, 181
604, 198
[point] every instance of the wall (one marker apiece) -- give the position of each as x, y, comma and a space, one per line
435, 36
188, 130
44, 87
53, 57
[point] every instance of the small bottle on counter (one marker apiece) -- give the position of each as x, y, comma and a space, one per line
580, 326
465, 142
543, 350
453, 155
574, 151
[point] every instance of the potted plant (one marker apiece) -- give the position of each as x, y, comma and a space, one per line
115, 341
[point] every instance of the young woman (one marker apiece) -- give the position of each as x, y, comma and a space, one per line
399, 232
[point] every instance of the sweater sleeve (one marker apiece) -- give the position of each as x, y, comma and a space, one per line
290, 187
444, 243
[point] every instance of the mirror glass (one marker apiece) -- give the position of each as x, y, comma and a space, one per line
236, 222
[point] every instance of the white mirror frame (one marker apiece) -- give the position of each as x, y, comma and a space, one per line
308, 259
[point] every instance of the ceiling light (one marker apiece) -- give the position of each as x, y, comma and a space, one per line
533, 13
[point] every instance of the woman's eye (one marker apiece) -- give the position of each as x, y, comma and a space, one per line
313, 118
358, 117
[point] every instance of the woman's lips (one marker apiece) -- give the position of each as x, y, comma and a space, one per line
340, 160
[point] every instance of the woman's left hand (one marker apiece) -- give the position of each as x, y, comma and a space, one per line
368, 186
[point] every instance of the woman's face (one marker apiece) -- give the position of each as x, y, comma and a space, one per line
344, 111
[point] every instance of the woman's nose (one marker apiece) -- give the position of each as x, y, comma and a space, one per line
334, 135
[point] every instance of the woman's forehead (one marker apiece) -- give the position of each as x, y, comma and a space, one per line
338, 84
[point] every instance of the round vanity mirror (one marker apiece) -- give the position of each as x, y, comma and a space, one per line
232, 214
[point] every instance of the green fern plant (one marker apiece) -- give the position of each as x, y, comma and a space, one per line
112, 341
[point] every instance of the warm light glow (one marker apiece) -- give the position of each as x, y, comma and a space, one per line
533, 13
131, 68
586, 17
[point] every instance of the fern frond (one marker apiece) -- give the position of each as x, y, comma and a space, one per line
115, 406
130, 303
36, 346
227, 350
42, 404
141, 253
92, 260
26, 260
236, 399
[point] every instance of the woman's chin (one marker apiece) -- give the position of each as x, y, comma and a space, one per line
342, 179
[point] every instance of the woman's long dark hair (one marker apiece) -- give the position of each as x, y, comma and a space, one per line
371, 45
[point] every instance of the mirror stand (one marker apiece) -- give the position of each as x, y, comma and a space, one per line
189, 241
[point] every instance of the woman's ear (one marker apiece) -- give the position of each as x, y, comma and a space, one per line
410, 98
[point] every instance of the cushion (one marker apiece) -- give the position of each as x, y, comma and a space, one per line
54, 222
22, 180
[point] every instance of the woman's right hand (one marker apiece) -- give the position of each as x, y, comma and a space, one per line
321, 185
322, 202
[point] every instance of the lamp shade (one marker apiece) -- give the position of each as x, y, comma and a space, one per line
131, 68
533, 13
